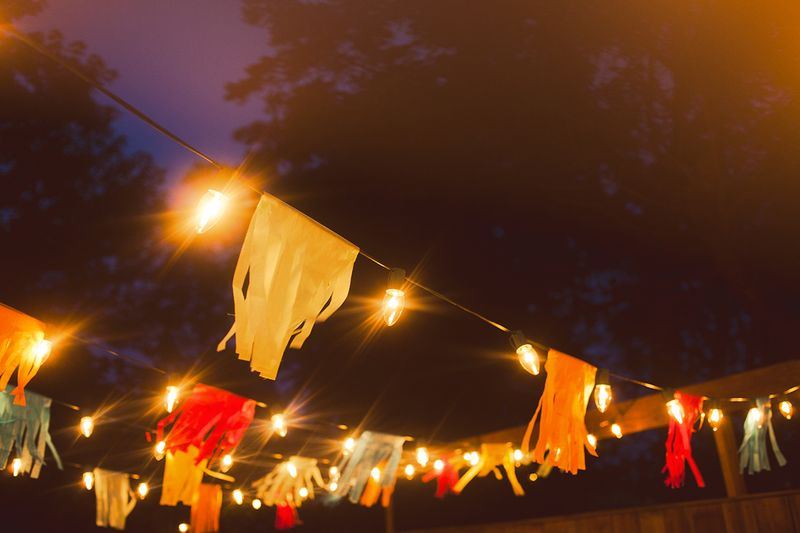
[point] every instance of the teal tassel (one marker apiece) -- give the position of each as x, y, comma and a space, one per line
753, 451
371, 450
25, 430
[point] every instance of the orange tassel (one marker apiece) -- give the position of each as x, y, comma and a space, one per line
19, 337
205, 509
562, 430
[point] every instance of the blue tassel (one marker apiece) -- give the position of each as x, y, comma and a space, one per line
753, 451
25, 430
371, 450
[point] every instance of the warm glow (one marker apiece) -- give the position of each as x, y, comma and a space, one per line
238, 497
438, 465
333, 486
602, 396
159, 449
715, 418
422, 456
210, 210
675, 410
472, 458
88, 480
616, 430
279, 425
333, 472
183, 527
291, 468
518, 455
303, 492
87, 426
256, 504
410, 471
376, 474
393, 304
227, 462
41, 350
592, 440
349, 445
171, 398
16, 466
142, 489
754, 415
528, 358
786, 408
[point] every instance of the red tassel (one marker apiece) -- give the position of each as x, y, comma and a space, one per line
445, 480
286, 517
679, 443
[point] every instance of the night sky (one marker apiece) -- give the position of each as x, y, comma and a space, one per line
618, 181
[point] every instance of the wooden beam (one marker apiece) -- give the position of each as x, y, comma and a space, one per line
728, 454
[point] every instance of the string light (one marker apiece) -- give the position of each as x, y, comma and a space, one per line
303, 493
438, 466
527, 356
395, 298
279, 425
16, 466
602, 390
183, 527
291, 468
226, 463
88, 480
786, 408
714, 415
518, 455
472, 458
616, 430
142, 489
171, 397
376, 474
422, 456
41, 350
256, 503
332, 486
409, 471
333, 472
592, 439
87, 426
210, 210
159, 449
754, 415
348, 446
238, 497
674, 407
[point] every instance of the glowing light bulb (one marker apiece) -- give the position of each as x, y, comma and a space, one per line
376, 474
279, 425
291, 468
333, 472
518, 455
226, 463
714, 414
422, 456
142, 489
675, 410
256, 504
16, 466
602, 390
755, 416
472, 458
527, 356
210, 210
348, 446
786, 408
238, 497
592, 439
616, 430
159, 449
410, 471
303, 492
438, 465
88, 480
332, 486
41, 351
87, 426
183, 527
395, 299
171, 398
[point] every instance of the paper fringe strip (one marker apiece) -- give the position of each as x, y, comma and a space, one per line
182, 477
371, 450
279, 487
19, 335
114, 498
562, 406
205, 509
445, 480
679, 443
492, 456
25, 430
753, 451
293, 267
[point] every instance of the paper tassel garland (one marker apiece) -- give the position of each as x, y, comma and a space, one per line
25, 430
115, 499
283, 485
205, 509
286, 517
293, 267
492, 456
182, 477
22, 349
679, 442
445, 480
753, 451
373, 452
562, 431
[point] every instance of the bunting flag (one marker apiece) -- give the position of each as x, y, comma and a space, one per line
283, 485
679, 442
753, 451
286, 517
373, 453
206, 506
115, 499
445, 480
562, 406
22, 349
297, 272
492, 456
25, 430
182, 477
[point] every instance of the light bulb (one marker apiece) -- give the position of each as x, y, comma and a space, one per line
183, 527
527, 356
159, 449
303, 492
226, 463
332, 486
16, 466
410, 471
376, 474
41, 350
87, 426
438, 465
291, 468
592, 440
518, 455
279, 425
348, 446
333, 472
786, 408
395, 299
715, 418
755, 416
256, 504
171, 397
472, 458
675, 410
238, 497
616, 430
142, 489
88, 480
422, 456
210, 210
602, 397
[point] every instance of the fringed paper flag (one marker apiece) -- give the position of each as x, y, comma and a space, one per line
753, 451
297, 272
562, 407
25, 430
23, 349
445, 480
679, 442
286, 481
492, 456
370, 471
182, 477
205, 509
286, 517
115, 499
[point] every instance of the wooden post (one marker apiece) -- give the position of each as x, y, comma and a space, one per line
728, 454
390, 516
